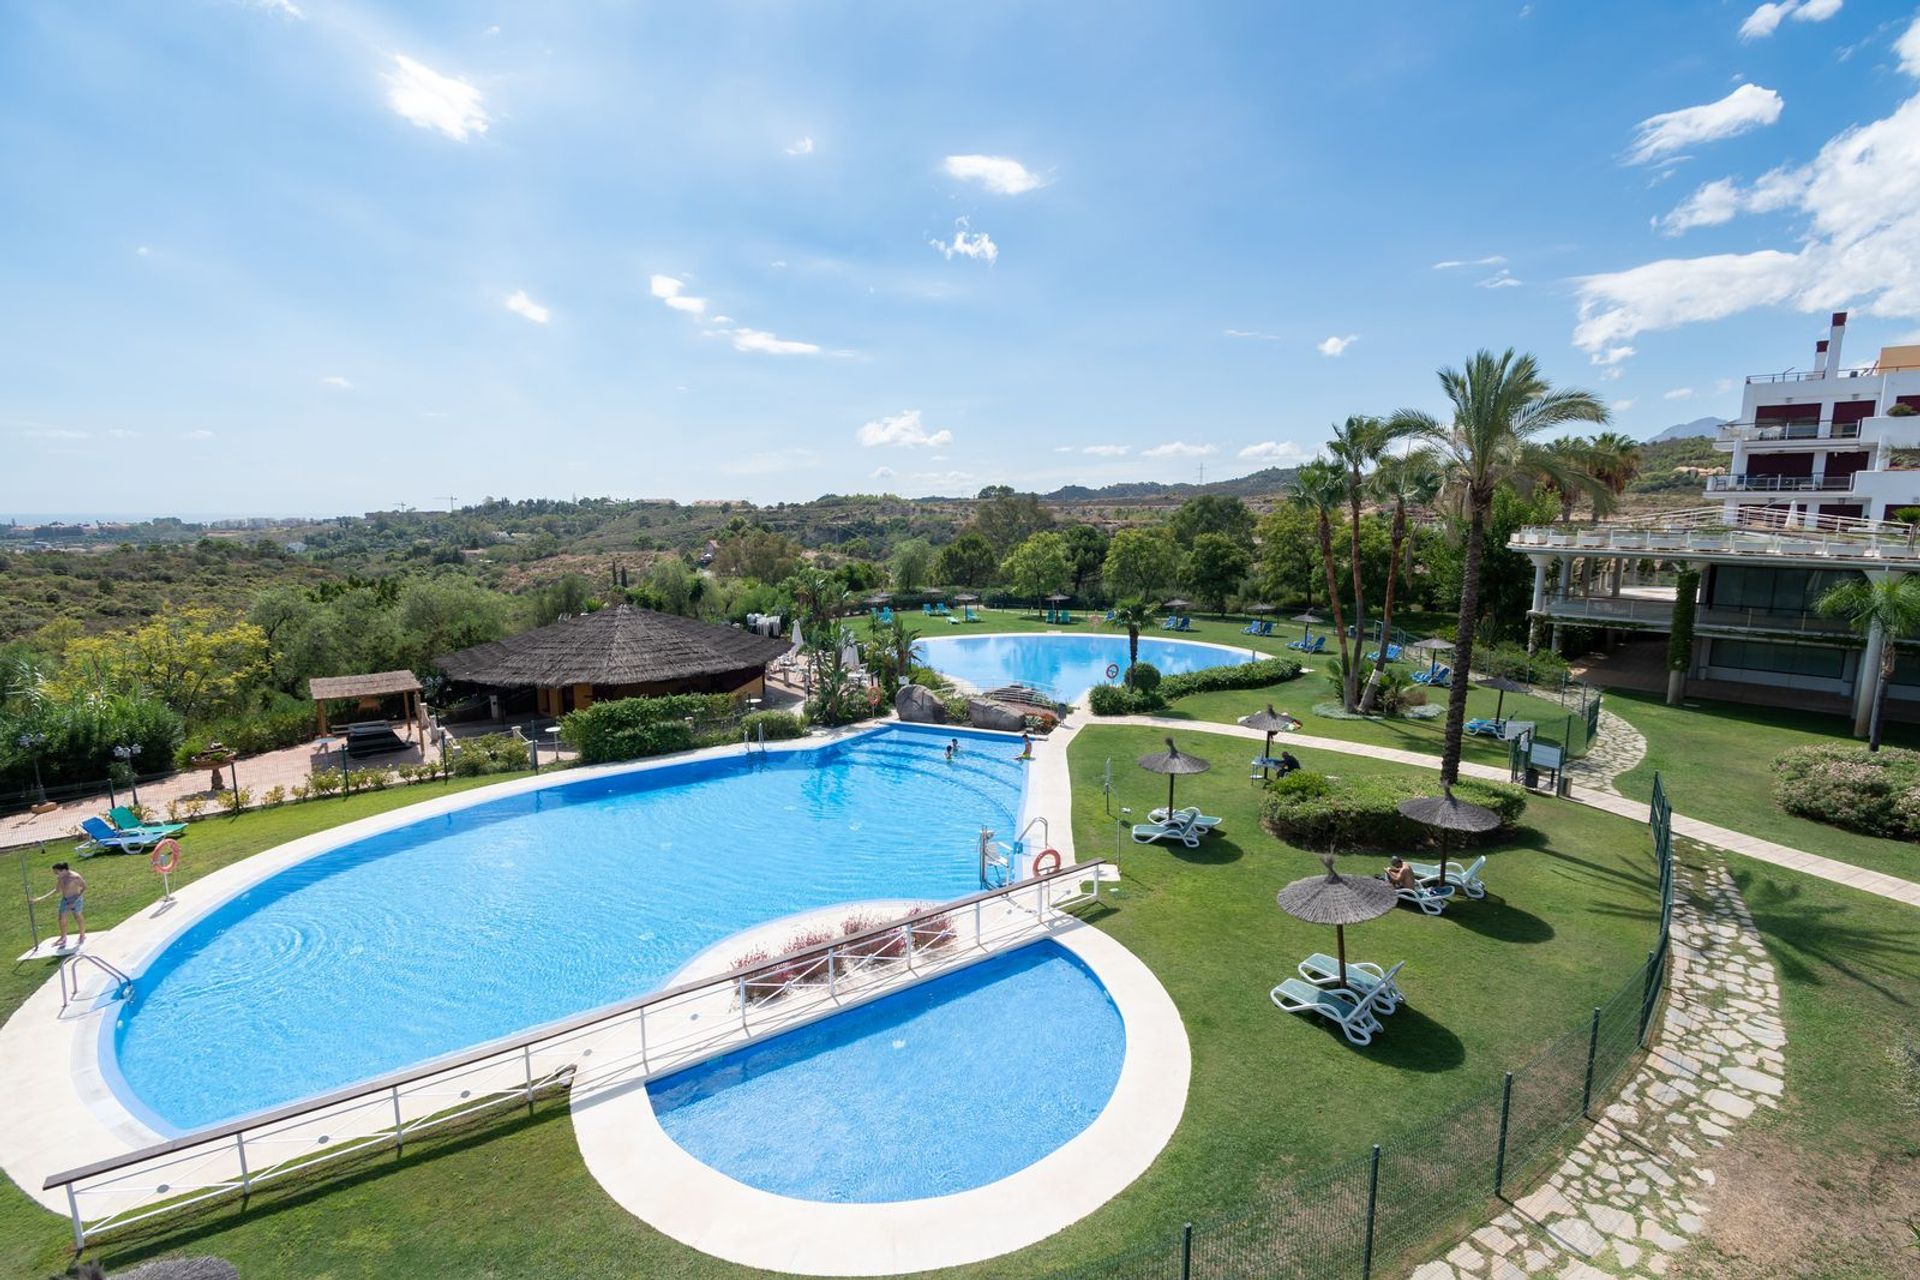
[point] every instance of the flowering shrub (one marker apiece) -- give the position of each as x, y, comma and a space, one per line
1877, 792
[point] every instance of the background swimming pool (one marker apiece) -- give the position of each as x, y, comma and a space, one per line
1066, 665
470, 926
938, 1089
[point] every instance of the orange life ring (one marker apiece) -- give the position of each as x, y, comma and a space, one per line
1040, 866
165, 857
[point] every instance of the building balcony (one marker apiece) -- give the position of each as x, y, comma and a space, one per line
1656, 614
1748, 533
1762, 434
1780, 484
1815, 375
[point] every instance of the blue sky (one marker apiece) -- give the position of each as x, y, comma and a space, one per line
306, 256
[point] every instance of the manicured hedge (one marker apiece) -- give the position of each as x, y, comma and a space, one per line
1118, 700
1245, 675
629, 728
778, 725
1877, 792
1312, 811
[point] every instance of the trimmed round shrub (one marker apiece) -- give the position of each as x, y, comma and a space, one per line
1143, 677
1357, 814
1118, 700
1876, 792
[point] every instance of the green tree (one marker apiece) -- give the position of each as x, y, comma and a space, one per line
1132, 614
1215, 566
1288, 561
912, 564
440, 615
1501, 406
1038, 566
1006, 519
1319, 487
757, 553
1141, 562
1086, 552
194, 660
1213, 513
1358, 444
1402, 483
968, 561
1884, 603
670, 585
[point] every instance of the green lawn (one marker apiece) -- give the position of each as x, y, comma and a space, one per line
1569, 921
1717, 757
1824, 1187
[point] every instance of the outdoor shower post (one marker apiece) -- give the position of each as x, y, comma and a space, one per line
1373, 1201
1593, 1048
26, 890
1186, 1251
1500, 1156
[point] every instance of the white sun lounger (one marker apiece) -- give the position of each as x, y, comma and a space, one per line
1180, 829
1362, 977
1431, 899
1185, 814
1356, 1019
1466, 879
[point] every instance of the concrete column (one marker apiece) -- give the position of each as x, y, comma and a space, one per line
1566, 577
1539, 583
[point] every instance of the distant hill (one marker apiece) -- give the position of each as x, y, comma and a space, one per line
1266, 482
1688, 430
1677, 465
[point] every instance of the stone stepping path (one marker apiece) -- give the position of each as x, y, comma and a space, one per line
1618, 749
1628, 1199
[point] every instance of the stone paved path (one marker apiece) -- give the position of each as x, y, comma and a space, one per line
1628, 1198
1619, 748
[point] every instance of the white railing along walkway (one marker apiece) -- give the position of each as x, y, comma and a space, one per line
1754, 531
618, 1045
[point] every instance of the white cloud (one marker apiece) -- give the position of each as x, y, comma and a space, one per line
1723, 385
285, 8
1612, 355
882, 473
335, 380
1859, 203
723, 320
904, 430
1747, 107
121, 433
942, 477
967, 243
1722, 200
1063, 448
1501, 279
1621, 406
433, 101
521, 305
493, 30
771, 462
1336, 345
804, 147
1491, 260
1678, 393
55, 433
769, 344
201, 434
1107, 450
1614, 374
998, 174
672, 292
1766, 19
1251, 333
142, 250
1275, 453
1178, 449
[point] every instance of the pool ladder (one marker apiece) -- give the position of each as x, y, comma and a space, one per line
70, 981
994, 854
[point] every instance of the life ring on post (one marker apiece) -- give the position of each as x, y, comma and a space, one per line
165, 857
1113, 670
1045, 862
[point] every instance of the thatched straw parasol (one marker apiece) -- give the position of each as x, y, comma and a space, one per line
1446, 815
1177, 604
1308, 621
1173, 762
1505, 686
1057, 598
1258, 609
1269, 722
966, 597
1435, 646
1339, 901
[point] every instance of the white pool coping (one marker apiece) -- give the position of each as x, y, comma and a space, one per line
653, 1178
63, 1113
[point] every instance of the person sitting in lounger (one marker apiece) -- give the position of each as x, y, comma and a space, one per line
1399, 874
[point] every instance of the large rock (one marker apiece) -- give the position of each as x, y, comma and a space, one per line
991, 715
918, 705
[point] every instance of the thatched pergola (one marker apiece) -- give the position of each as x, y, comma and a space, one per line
366, 690
622, 652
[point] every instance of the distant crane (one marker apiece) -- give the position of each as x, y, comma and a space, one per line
450, 502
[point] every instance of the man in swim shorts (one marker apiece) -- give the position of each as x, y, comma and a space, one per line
72, 888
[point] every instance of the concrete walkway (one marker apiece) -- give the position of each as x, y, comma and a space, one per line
1780, 855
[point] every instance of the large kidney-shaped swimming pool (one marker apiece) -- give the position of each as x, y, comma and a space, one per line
457, 929
1067, 665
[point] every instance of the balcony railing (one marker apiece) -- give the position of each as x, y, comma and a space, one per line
1815, 375
1603, 610
1748, 531
1769, 432
1780, 484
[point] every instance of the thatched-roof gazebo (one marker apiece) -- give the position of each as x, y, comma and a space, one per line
621, 652
367, 691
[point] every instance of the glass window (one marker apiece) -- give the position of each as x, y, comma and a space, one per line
1784, 659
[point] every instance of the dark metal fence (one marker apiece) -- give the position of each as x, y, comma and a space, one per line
1373, 1213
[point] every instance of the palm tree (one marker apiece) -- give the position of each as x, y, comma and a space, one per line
1615, 461
1357, 444
1133, 615
1501, 405
1409, 481
1321, 486
1888, 604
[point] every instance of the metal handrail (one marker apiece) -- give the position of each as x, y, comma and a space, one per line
1797, 431
747, 984
1780, 484
1818, 375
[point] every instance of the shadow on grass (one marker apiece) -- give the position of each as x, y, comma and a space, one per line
1802, 937
1412, 1041
1214, 851
1495, 917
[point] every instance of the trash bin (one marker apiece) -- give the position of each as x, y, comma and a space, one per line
1533, 778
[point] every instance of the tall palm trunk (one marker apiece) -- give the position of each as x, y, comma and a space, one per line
1359, 594
1133, 650
1333, 602
1386, 607
1889, 659
1478, 505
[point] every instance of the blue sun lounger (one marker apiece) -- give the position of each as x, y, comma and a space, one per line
101, 837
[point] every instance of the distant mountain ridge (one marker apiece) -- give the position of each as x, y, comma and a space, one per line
1688, 430
1259, 484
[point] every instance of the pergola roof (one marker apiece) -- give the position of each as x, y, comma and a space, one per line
373, 685
617, 646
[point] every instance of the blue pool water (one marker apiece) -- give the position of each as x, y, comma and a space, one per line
1066, 665
938, 1089
462, 928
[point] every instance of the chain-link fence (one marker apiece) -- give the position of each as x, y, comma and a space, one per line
1373, 1213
